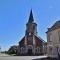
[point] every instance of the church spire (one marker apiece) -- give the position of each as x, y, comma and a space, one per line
31, 17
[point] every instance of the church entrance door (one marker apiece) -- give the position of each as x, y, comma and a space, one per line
29, 51
30, 47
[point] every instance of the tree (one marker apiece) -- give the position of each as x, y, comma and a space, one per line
13, 49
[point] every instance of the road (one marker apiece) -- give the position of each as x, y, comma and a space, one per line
7, 57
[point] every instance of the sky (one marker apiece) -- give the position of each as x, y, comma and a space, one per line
14, 15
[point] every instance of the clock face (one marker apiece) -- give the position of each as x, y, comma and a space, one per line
29, 33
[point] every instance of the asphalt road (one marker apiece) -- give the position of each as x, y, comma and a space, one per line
7, 57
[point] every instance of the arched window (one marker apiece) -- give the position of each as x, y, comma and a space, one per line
30, 40
37, 50
22, 50
51, 50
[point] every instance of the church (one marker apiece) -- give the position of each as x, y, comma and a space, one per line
31, 43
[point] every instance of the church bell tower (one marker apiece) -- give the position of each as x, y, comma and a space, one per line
31, 32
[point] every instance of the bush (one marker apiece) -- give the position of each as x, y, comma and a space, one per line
13, 50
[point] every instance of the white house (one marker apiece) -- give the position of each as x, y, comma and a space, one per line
53, 40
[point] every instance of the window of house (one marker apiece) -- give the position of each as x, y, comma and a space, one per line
57, 49
59, 35
51, 49
50, 37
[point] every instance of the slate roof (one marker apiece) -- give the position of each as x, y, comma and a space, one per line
39, 38
22, 39
31, 19
55, 26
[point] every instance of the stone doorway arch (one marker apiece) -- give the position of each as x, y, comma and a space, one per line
30, 49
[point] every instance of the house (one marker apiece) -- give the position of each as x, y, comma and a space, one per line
31, 43
53, 40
